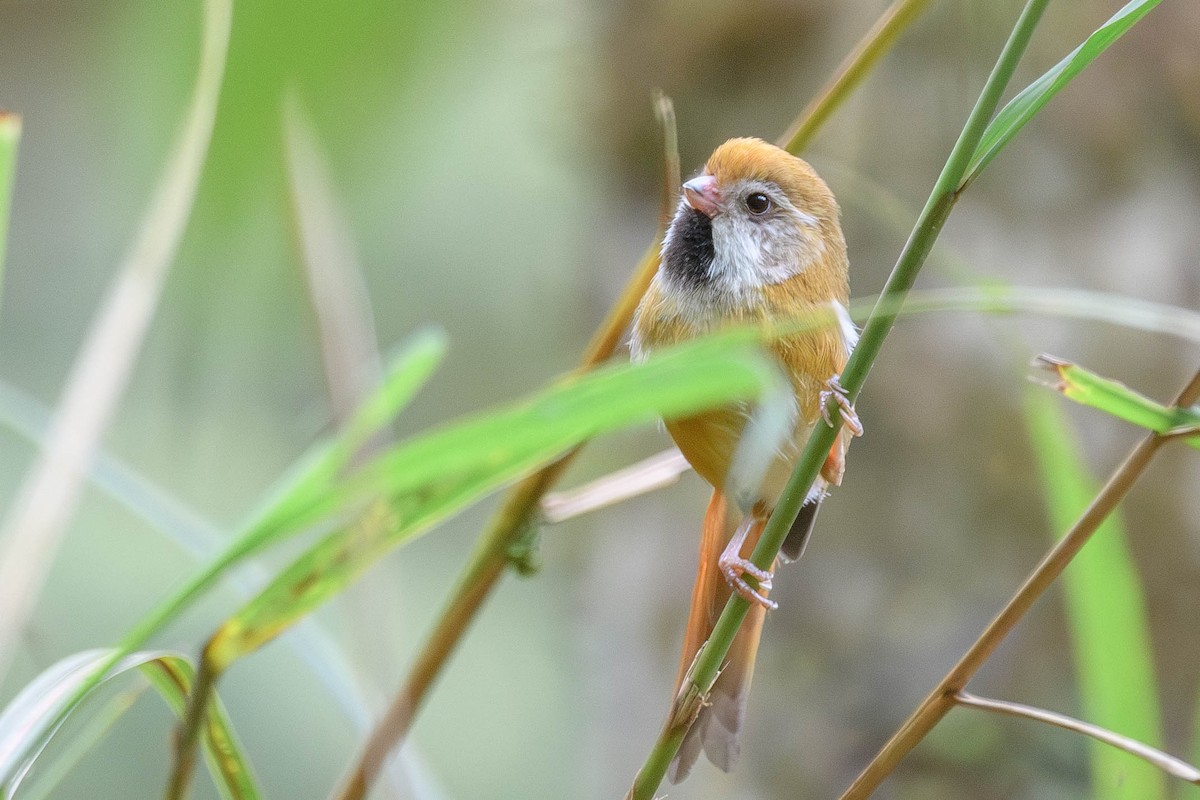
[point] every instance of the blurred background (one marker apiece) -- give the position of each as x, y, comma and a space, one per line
497, 164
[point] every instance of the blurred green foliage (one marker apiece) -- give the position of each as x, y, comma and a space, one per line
497, 163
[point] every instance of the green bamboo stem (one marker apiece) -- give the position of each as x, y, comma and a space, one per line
487, 562
703, 672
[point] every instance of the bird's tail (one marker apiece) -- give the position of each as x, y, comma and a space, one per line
717, 728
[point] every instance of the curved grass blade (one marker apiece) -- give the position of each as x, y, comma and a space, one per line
36, 715
1029, 102
313, 474
1089, 389
426, 479
1106, 612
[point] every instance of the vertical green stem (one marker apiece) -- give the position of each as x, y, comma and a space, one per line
929, 224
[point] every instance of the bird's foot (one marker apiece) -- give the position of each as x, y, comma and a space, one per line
735, 568
835, 391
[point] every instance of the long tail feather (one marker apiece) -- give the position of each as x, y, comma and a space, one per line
717, 729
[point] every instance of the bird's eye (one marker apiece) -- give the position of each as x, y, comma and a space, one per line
758, 203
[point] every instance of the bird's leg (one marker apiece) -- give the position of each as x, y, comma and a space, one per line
734, 567
833, 389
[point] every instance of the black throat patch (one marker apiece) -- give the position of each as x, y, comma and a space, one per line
688, 254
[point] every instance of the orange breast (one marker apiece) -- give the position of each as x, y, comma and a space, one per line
708, 441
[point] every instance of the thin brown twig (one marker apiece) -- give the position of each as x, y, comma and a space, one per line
942, 698
1164, 761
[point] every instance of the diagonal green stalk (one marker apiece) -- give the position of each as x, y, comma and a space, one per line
489, 558
704, 670
10, 137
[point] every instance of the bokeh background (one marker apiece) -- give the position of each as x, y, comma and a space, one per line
497, 164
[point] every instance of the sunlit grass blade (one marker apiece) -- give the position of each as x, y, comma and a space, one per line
38, 712
425, 479
1089, 389
10, 135
1106, 612
1030, 100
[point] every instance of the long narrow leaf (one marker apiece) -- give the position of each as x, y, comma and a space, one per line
35, 715
424, 480
1106, 612
313, 474
433, 476
1025, 105
1089, 389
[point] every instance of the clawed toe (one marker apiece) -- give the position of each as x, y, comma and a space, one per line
838, 394
734, 570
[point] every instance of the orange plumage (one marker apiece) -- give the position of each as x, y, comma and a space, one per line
756, 238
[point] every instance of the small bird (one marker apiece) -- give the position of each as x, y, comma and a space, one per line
756, 238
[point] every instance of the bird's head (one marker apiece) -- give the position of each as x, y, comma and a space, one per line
755, 216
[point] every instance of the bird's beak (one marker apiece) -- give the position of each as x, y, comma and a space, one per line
701, 193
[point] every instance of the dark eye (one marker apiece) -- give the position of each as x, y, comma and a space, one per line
758, 203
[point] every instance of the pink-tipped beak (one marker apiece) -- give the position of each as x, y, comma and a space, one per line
701, 194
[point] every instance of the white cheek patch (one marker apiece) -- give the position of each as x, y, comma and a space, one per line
751, 254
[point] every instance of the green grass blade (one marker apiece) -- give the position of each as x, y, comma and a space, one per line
10, 135
1106, 613
431, 477
1025, 105
1089, 389
313, 474
173, 678
34, 716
